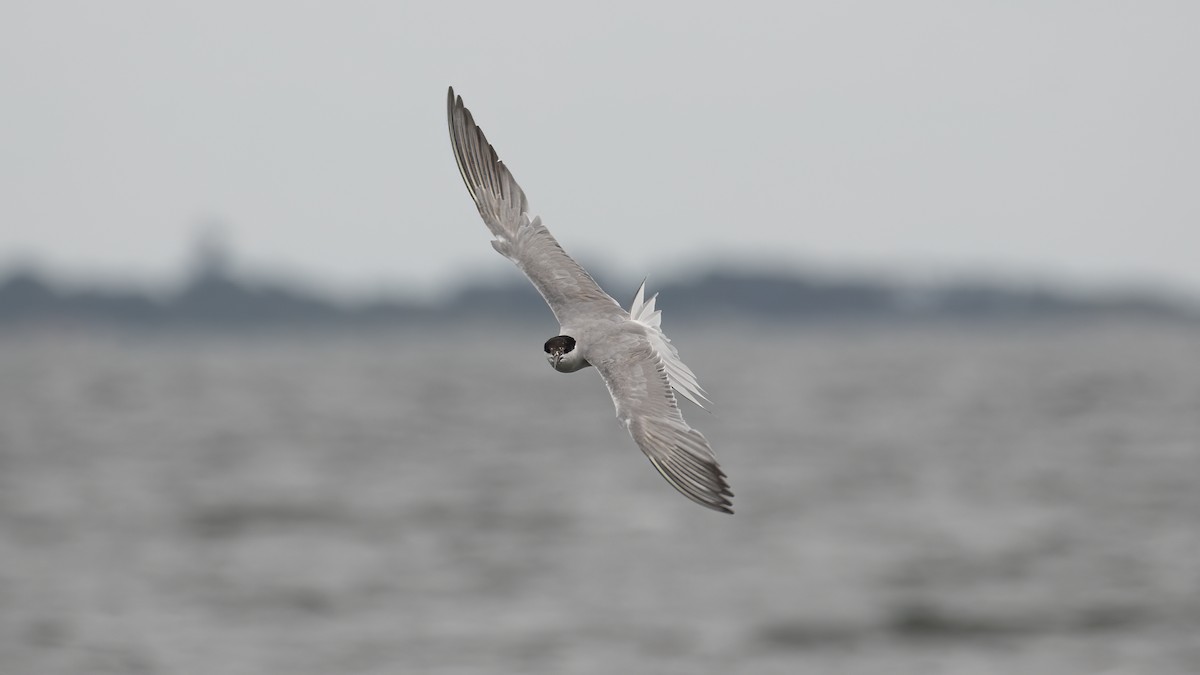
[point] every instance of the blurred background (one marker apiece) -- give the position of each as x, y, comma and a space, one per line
270, 403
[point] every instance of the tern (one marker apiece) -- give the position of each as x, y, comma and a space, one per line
640, 366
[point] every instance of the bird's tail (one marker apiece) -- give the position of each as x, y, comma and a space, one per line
682, 379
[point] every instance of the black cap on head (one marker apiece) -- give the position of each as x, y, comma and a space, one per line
563, 343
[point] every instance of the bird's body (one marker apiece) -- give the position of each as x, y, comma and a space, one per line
638, 363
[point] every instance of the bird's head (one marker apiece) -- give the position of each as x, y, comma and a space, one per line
560, 352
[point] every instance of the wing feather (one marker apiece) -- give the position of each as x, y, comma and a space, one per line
641, 391
563, 283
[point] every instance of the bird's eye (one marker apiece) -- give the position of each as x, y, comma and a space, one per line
560, 343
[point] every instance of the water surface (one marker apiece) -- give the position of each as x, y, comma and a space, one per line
1010, 500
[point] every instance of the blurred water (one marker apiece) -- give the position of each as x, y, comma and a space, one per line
909, 501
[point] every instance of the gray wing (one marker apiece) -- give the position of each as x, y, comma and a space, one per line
637, 380
567, 288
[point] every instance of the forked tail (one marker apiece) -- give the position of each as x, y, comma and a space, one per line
682, 379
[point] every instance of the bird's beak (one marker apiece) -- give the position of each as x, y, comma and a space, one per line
557, 358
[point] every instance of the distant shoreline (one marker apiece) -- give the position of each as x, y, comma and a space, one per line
217, 300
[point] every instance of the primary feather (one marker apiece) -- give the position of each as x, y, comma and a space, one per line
638, 383
567, 288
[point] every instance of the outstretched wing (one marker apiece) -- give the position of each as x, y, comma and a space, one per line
567, 288
637, 381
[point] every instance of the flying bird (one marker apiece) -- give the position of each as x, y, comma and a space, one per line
640, 366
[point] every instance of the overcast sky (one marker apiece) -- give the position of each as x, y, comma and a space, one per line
1044, 139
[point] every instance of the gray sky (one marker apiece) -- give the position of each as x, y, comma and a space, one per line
1015, 138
